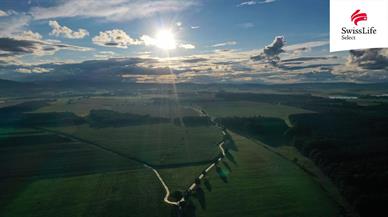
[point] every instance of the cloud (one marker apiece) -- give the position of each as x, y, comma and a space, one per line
13, 24
195, 27
3, 13
297, 49
32, 43
117, 10
120, 39
66, 32
250, 3
115, 38
303, 59
104, 54
376, 58
194, 60
33, 70
223, 44
186, 46
271, 52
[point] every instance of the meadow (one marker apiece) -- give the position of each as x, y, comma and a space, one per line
147, 105
157, 144
250, 109
135, 192
254, 181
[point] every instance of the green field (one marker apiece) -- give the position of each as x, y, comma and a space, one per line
83, 170
261, 183
128, 193
81, 106
158, 144
249, 109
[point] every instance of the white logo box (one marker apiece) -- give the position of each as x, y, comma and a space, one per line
377, 22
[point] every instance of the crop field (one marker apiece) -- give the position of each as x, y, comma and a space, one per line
257, 182
135, 192
180, 179
145, 106
157, 144
249, 109
45, 154
36, 165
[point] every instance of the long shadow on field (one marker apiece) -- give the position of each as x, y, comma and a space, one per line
188, 210
230, 157
207, 185
229, 143
227, 166
200, 195
221, 173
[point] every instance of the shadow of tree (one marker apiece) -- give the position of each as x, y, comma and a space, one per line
221, 173
229, 143
200, 195
227, 166
188, 209
177, 195
207, 184
230, 157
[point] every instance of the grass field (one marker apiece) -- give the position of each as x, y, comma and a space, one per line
180, 179
261, 183
249, 109
43, 174
82, 106
34, 153
127, 193
157, 144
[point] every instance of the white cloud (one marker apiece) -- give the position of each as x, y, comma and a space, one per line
195, 27
3, 13
186, 46
307, 45
115, 38
28, 35
33, 70
66, 32
104, 54
12, 24
250, 3
120, 39
116, 10
223, 44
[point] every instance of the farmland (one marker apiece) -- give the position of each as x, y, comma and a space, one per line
92, 155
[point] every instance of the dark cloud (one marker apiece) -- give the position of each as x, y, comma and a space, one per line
301, 59
271, 52
14, 47
309, 66
376, 58
195, 60
112, 69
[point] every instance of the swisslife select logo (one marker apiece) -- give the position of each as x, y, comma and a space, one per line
352, 33
358, 24
357, 16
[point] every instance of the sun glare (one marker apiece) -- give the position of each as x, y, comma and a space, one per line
165, 39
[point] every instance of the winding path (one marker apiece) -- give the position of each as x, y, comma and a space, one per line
202, 175
192, 186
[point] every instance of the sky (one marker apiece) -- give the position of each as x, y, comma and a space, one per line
203, 41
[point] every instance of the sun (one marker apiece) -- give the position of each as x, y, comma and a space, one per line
165, 39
